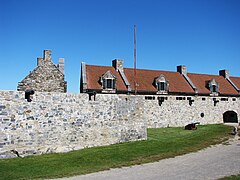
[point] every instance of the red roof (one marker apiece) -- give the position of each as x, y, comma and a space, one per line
94, 73
145, 81
201, 80
236, 81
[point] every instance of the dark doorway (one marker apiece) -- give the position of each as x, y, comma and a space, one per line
230, 117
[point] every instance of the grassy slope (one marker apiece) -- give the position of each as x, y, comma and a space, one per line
235, 177
161, 143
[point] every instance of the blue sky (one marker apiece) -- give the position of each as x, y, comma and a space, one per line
204, 35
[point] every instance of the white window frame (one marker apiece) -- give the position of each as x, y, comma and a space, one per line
213, 87
158, 83
108, 81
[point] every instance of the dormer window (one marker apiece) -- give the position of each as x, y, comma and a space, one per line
108, 81
213, 87
161, 84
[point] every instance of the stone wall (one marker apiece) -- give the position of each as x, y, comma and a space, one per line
60, 122
176, 111
46, 77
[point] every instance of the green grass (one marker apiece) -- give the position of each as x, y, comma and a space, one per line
237, 177
162, 143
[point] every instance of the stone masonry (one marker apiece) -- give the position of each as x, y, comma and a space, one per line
60, 122
46, 77
177, 111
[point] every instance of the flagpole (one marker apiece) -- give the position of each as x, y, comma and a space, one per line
135, 63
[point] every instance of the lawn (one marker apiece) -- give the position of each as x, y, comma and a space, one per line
234, 177
162, 143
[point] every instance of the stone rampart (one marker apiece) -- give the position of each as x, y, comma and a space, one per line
60, 122
175, 111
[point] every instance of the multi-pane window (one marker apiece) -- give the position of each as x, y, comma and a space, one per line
108, 81
213, 87
161, 84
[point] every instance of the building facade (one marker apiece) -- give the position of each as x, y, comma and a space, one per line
46, 77
120, 80
204, 98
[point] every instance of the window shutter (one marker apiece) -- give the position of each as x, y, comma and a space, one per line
104, 83
158, 86
211, 88
217, 88
165, 86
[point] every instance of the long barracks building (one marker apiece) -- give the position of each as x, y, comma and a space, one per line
120, 80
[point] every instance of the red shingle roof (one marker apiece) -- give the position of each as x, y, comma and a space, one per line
201, 80
94, 73
236, 81
145, 80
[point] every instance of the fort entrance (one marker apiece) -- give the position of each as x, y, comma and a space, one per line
230, 117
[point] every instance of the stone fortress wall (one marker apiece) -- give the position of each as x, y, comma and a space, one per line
61, 122
177, 111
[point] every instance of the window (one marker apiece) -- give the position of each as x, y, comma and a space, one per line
161, 84
108, 81
213, 87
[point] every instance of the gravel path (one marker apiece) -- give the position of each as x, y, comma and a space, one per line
211, 163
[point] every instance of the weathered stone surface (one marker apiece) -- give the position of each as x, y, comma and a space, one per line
60, 122
46, 77
173, 112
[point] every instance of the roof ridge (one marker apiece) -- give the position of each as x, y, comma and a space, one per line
204, 74
152, 70
98, 65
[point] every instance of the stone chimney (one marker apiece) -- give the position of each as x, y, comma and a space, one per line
182, 69
47, 55
224, 73
39, 61
61, 64
117, 64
